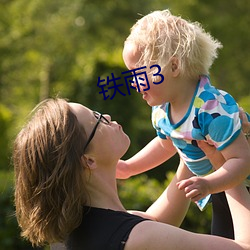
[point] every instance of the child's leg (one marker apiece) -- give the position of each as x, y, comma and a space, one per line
222, 224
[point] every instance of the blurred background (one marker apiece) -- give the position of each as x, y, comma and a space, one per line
52, 47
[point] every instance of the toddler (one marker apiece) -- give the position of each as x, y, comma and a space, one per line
186, 107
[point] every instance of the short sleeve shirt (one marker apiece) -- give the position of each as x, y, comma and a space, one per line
213, 115
102, 229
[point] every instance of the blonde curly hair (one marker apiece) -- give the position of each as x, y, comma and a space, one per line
160, 36
49, 181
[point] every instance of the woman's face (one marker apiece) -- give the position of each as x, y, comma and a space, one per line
109, 140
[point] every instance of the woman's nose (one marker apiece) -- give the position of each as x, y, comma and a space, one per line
108, 117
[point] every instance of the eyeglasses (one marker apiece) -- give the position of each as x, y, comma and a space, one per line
100, 118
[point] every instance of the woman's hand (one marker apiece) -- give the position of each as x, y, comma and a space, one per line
245, 124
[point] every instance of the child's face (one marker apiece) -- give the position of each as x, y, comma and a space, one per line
156, 94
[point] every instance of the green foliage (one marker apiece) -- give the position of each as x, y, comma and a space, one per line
5, 123
9, 231
139, 192
245, 103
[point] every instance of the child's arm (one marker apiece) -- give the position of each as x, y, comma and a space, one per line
153, 154
235, 170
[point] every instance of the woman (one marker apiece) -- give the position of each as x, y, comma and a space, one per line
65, 188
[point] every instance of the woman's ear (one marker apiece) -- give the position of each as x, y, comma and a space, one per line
175, 66
89, 161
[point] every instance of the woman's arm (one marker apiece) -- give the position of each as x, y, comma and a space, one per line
171, 207
160, 236
239, 203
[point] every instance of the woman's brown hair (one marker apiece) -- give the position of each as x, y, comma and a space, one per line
49, 184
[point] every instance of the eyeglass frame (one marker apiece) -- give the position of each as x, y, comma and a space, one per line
100, 118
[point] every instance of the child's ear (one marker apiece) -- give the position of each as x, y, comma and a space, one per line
175, 66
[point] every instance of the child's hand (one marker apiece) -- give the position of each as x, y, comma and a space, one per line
122, 170
194, 187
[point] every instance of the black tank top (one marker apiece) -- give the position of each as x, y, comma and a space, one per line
102, 229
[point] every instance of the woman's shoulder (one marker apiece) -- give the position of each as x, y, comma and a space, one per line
155, 235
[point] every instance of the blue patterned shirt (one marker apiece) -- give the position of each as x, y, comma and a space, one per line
213, 115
